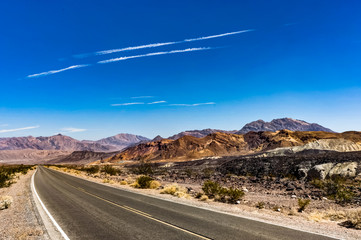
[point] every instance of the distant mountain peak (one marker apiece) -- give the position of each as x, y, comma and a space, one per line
280, 124
157, 138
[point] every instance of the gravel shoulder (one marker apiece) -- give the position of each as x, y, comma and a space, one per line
298, 221
21, 219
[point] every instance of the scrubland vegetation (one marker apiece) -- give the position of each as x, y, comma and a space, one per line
8, 172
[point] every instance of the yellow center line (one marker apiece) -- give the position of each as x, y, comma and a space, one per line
140, 213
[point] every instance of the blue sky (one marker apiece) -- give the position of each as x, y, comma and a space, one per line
90, 69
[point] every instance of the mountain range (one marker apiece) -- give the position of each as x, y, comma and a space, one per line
253, 137
124, 140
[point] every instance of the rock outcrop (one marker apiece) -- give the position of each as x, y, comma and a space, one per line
322, 171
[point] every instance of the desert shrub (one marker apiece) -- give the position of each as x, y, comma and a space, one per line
143, 168
302, 204
175, 190
143, 182
353, 220
234, 195
108, 169
170, 189
7, 173
317, 183
208, 172
123, 182
154, 184
221, 194
107, 180
189, 172
203, 198
92, 169
335, 188
260, 205
210, 188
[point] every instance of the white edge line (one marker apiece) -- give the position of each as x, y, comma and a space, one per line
210, 209
63, 234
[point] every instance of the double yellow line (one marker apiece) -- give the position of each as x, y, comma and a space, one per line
146, 215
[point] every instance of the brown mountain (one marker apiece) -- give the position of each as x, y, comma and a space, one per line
57, 142
187, 147
198, 133
221, 144
280, 124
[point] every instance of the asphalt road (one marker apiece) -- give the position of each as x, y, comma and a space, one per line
87, 210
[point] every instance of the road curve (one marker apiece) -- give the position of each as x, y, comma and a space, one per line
88, 210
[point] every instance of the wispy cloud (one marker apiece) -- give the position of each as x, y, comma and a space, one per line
157, 102
191, 105
154, 54
4, 125
127, 104
142, 97
153, 45
72, 130
18, 129
56, 71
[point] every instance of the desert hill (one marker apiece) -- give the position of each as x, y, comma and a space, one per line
81, 157
186, 147
198, 133
222, 144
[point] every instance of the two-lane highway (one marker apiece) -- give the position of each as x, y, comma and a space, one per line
87, 210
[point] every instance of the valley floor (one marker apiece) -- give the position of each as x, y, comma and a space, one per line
322, 217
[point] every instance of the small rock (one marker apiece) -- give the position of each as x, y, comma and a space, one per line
324, 198
5, 202
238, 202
244, 189
293, 196
278, 210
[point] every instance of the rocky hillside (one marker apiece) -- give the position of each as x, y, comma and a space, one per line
57, 142
221, 144
198, 133
187, 147
82, 157
280, 124
121, 141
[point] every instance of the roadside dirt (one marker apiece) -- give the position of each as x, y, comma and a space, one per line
20, 220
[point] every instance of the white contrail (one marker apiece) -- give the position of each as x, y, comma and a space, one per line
153, 45
56, 71
154, 54
191, 105
126, 104
216, 36
18, 129
157, 102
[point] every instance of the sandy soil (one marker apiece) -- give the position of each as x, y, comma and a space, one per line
20, 220
287, 216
